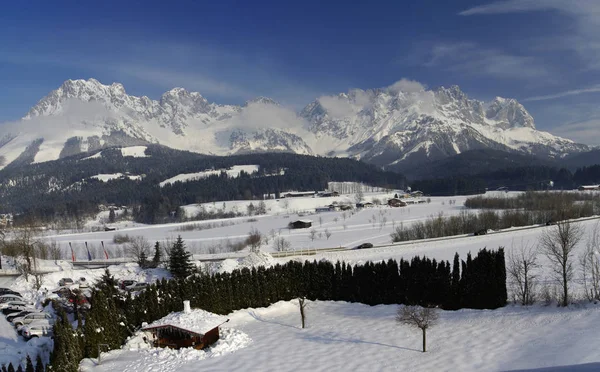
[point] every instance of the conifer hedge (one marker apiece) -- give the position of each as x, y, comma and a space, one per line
478, 283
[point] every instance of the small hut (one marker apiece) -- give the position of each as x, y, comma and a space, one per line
300, 224
191, 328
395, 202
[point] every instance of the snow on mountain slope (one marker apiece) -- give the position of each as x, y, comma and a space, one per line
384, 126
232, 172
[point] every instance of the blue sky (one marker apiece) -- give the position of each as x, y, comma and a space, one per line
546, 53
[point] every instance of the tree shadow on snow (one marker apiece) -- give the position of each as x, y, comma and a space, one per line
588, 367
253, 314
327, 339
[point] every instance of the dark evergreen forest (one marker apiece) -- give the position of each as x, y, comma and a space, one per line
64, 189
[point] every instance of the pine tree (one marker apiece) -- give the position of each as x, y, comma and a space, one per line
11, 368
39, 364
455, 283
180, 263
143, 260
29, 365
111, 216
157, 255
107, 280
20, 368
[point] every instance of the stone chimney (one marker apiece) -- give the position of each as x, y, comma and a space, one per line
186, 307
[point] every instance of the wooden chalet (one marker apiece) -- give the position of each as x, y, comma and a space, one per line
192, 328
300, 224
395, 202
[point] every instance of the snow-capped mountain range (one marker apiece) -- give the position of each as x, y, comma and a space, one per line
384, 126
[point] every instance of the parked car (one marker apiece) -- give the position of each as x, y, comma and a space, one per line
10, 297
480, 232
6, 291
13, 307
36, 330
123, 284
83, 283
21, 313
33, 317
137, 287
65, 281
63, 292
364, 245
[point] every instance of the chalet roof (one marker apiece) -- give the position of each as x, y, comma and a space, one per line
197, 321
304, 221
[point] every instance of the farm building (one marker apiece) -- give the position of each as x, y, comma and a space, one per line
395, 202
191, 328
324, 194
300, 224
589, 187
298, 194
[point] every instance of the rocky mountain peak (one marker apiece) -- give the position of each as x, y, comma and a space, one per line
508, 113
261, 100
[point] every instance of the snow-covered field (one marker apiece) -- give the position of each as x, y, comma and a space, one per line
354, 337
114, 176
347, 229
344, 336
231, 172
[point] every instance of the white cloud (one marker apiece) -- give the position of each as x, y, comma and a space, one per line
473, 59
338, 107
406, 86
587, 132
568, 93
260, 115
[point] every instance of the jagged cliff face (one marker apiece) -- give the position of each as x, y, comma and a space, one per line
382, 126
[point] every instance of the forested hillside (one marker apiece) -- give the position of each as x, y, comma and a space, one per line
66, 188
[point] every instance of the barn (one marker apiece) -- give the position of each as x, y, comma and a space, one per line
191, 328
300, 224
395, 202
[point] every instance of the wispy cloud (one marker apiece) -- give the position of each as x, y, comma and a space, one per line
587, 132
583, 34
472, 59
568, 93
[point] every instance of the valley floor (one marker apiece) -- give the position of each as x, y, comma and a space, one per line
355, 337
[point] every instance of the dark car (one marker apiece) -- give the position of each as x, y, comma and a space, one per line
480, 232
364, 245
65, 281
6, 291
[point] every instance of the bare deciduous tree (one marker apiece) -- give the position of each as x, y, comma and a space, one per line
280, 244
557, 244
521, 269
420, 317
313, 234
590, 265
254, 240
139, 248
302, 305
327, 234
55, 252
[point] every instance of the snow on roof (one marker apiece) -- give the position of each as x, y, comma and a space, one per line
305, 221
197, 321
